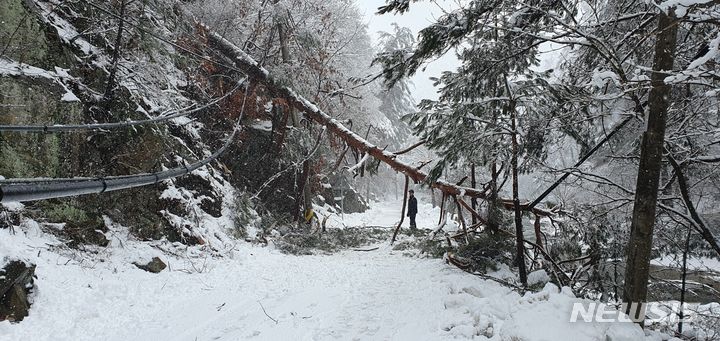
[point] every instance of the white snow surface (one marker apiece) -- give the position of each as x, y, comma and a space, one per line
387, 214
693, 263
13, 68
258, 293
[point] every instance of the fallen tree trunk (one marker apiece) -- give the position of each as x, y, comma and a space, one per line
259, 74
473, 212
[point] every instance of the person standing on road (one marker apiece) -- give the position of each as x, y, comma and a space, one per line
412, 209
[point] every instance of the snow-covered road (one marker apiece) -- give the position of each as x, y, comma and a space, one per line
354, 295
259, 293
377, 295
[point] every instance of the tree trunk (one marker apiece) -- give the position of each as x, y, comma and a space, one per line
473, 184
307, 193
462, 220
651, 153
516, 199
538, 233
402, 212
493, 212
442, 209
282, 36
396, 188
684, 281
110, 87
300, 194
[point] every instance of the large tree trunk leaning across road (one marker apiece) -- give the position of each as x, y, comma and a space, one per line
258, 74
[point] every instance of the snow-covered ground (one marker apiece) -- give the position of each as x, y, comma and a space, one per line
258, 293
387, 214
693, 263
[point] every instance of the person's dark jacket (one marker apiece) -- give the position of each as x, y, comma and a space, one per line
412, 206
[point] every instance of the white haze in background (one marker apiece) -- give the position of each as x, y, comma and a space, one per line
424, 13
421, 15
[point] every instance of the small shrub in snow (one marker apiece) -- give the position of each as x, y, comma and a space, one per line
81, 227
333, 240
245, 219
486, 251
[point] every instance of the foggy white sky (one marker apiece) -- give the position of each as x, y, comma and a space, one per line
421, 14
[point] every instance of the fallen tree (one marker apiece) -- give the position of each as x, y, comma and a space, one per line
260, 75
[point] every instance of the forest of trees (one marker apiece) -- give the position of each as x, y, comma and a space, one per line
647, 69
609, 109
635, 89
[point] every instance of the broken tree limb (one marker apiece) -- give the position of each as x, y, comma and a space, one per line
259, 74
266, 314
360, 165
442, 208
402, 213
538, 233
452, 259
303, 183
367, 250
443, 221
423, 164
565, 278
580, 162
473, 212
340, 159
462, 220
697, 220
409, 149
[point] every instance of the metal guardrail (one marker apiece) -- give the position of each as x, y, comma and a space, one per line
20, 190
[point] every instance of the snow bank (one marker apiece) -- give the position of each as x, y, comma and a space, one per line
693, 263
546, 316
487, 311
537, 277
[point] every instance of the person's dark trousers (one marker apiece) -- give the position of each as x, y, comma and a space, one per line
412, 221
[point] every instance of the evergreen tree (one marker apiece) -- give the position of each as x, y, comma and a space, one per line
397, 101
623, 61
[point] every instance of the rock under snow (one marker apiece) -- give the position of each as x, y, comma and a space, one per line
16, 278
155, 265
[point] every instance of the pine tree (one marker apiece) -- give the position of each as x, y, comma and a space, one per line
609, 53
397, 100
